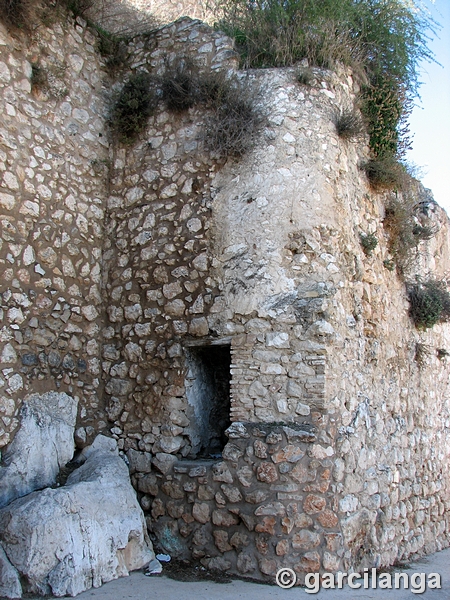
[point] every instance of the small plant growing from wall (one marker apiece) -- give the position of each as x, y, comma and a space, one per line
442, 353
349, 124
78, 8
113, 49
180, 85
389, 264
429, 303
49, 79
384, 173
304, 76
39, 79
422, 353
137, 100
404, 229
235, 122
369, 242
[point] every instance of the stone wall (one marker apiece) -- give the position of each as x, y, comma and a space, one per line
157, 258
268, 504
53, 167
135, 267
319, 333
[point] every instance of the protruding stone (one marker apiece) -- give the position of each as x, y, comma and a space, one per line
221, 540
266, 472
245, 563
290, 453
260, 449
164, 462
305, 539
140, 462
223, 518
10, 586
313, 504
266, 525
201, 512
327, 518
237, 430
309, 563
42, 446
222, 473
232, 493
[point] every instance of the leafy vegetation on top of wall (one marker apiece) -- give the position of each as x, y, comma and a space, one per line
233, 120
382, 40
25, 15
20, 15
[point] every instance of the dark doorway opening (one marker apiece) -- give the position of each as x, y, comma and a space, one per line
208, 393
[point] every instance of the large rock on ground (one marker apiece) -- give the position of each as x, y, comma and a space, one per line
43, 444
66, 540
10, 586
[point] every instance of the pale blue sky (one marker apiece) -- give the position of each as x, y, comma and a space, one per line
430, 120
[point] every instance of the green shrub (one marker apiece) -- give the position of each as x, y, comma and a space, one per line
382, 40
136, 102
114, 49
405, 233
349, 124
369, 242
39, 79
385, 173
422, 353
233, 122
429, 303
78, 8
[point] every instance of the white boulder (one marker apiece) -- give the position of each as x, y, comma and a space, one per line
43, 444
9, 578
92, 530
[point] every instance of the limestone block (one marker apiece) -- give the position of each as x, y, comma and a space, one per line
139, 461
62, 544
10, 586
43, 444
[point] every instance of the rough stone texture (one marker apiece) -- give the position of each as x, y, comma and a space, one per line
92, 530
268, 516
53, 171
10, 586
41, 447
262, 255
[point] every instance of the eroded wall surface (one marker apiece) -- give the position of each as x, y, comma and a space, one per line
339, 441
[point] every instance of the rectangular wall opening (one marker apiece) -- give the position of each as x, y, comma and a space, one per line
208, 393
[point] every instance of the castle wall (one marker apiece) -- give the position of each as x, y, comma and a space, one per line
171, 258
53, 171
